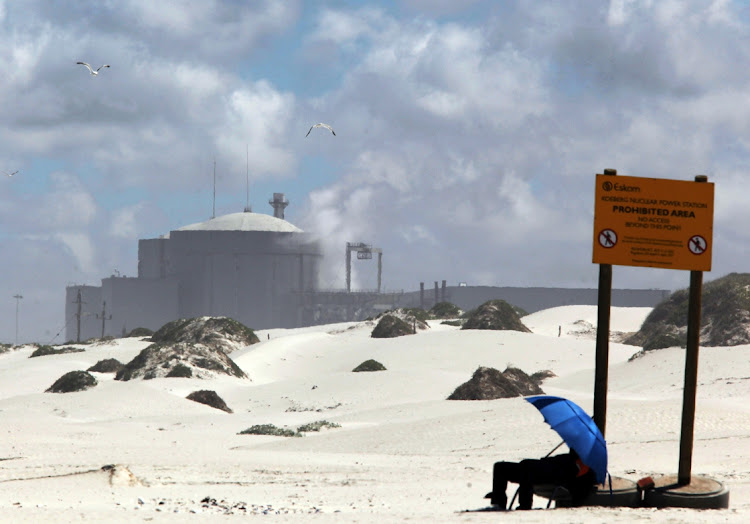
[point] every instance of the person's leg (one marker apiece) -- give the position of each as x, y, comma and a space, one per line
528, 470
548, 470
502, 473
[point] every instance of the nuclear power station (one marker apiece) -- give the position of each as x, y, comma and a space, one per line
248, 266
263, 271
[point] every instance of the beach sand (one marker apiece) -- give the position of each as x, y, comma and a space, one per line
402, 452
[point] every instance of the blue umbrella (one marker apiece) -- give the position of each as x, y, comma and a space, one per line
577, 429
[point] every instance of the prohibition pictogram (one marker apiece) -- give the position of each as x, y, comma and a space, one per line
697, 245
607, 238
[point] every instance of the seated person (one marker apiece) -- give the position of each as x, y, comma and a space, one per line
565, 470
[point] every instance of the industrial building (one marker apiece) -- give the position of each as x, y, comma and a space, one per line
263, 271
252, 267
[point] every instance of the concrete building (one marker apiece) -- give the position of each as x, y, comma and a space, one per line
530, 299
263, 271
247, 266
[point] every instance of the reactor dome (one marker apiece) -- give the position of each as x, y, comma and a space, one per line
244, 221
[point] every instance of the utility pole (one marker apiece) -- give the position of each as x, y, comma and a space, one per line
78, 316
18, 297
103, 316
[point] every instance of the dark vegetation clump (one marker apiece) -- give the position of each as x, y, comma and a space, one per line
210, 331
725, 316
209, 398
45, 350
417, 313
457, 322
445, 310
110, 365
179, 359
489, 383
414, 316
269, 429
541, 376
180, 371
390, 326
495, 314
141, 332
99, 340
84, 342
317, 426
369, 365
73, 381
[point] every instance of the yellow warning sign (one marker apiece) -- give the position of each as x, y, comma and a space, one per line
653, 222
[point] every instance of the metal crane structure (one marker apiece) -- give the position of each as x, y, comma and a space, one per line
364, 252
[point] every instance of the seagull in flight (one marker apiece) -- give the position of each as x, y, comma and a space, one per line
91, 69
322, 125
9, 174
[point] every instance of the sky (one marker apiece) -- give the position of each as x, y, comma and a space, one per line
468, 134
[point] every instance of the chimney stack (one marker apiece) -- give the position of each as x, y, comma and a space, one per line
278, 204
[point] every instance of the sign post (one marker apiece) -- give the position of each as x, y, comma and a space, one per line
660, 223
601, 372
691, 373
653, 222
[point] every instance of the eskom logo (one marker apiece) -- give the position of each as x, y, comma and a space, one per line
609, 186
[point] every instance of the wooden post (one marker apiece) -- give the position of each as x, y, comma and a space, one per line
602, 340
691, 372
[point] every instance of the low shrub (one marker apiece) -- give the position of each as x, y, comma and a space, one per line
73, 381
269, 429
141, 332
369, 365
180, 371
110, 365
45, 350
317, 426
209, 398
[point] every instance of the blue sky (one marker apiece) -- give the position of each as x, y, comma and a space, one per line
468, 133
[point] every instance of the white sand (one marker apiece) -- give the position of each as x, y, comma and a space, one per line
402, 453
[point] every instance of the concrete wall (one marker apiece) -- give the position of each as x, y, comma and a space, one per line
152, 258
532, 299
251, 276
137, 302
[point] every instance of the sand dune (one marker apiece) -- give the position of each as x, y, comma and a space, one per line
402, 452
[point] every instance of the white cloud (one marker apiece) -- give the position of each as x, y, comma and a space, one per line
418, 233
67, 205
124, 223
80, 247
258, 117
468, 133
344, 28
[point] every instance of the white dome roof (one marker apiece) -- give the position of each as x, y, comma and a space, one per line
244, 221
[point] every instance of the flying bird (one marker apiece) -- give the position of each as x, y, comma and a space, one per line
322, 125
92, 69
9, 174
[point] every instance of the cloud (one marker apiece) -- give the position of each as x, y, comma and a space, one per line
468, 134
124, 222
79, 245
258, 117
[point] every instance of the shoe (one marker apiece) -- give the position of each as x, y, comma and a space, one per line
500, 502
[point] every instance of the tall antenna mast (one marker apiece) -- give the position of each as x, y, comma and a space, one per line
213, 213
247, 177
